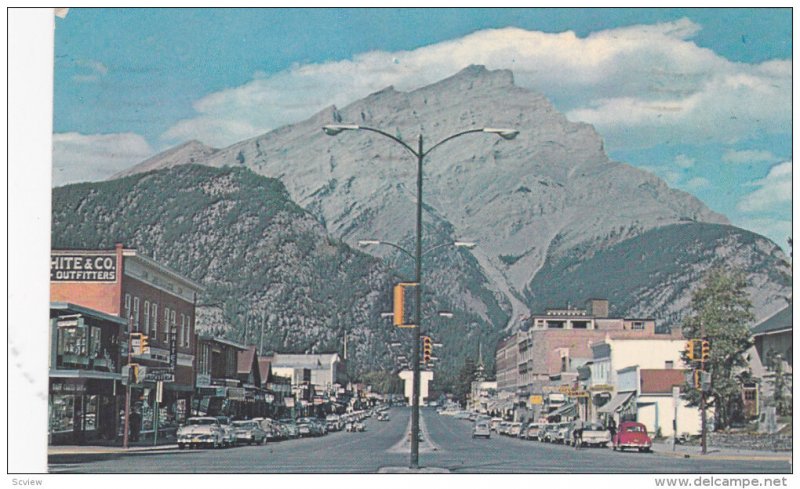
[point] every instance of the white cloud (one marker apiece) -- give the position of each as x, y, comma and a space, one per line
639, 85
80, 157
774, 191
683, 161
748, 156
778, 230
697, 183
92, 70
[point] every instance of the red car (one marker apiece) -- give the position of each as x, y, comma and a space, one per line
632, 435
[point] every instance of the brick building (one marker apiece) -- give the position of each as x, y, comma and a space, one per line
157, 302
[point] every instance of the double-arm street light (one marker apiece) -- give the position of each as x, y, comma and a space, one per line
420, 153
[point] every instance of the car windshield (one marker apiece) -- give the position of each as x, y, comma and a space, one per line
635, 428
481, 425
243, 424
202, 421
595, 427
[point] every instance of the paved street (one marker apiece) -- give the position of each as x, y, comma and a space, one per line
447, 445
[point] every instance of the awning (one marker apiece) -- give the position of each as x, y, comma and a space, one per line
565, 411
616, 403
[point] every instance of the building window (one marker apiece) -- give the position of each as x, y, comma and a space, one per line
638, 325
173, 325
188, 331
669, 365
555, 324
72, 341
750, 395
166, 324
580, 324
147, 317
136, 314
154, 314
183, 329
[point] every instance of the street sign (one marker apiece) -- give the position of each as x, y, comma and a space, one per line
159, 374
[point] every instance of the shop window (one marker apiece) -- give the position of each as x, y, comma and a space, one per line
72, 341
90, 413
62, 413
147, 317
555, 324
580, 324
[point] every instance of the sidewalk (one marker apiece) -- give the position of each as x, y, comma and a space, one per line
717, 453
114, 446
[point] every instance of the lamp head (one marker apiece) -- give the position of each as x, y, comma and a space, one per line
465, 244
445, 314
368, 242
507, 134
334, 129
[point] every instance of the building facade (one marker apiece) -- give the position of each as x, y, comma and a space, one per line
156, 302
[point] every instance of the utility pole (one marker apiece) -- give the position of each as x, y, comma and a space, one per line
261, 340
128, 388
703, 427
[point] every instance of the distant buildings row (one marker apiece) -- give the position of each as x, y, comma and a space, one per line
581, 362
101, 300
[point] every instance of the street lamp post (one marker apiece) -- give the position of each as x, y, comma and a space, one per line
420, 153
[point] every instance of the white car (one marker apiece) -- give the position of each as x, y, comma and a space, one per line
481, 429
201, 431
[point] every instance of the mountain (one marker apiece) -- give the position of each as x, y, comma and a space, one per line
263, 260
183, 154
551, 196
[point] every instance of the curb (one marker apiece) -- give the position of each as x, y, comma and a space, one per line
712, 456
109, 450
407, 470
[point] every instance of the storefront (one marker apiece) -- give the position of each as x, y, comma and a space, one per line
84, 376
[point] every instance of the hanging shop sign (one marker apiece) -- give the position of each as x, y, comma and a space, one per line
83, 267
159, 374
236, 393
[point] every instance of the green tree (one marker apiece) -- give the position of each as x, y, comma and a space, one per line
463, 383
721, 308
781, 389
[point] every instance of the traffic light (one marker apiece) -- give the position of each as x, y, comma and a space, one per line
399, 304
427, 348
144, 345
705, 351
690, 349
694, 350
134, 372
698, 379
398, 311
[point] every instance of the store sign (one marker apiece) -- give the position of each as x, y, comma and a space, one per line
83, 268
203, 380
236, 393
67, 387
173, 346
536, 400
289, 402
159, 374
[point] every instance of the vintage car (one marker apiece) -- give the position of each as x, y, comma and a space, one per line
632, 435
494, 423
481, 429
250, 432
532, 431
201, 431
333, 422
289, 428
594, 435
502, 428
514, 429
229, 434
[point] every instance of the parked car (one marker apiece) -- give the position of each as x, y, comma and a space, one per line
502, 428
250, 432
594, 435
532, 431
481, 428
632, 435
494, 423
201, 431
382, 417
289, 427
551, 432
514, 429
563, 433
355, 426
229, 437
333, 422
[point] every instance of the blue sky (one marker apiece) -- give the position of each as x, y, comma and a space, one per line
700, 97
